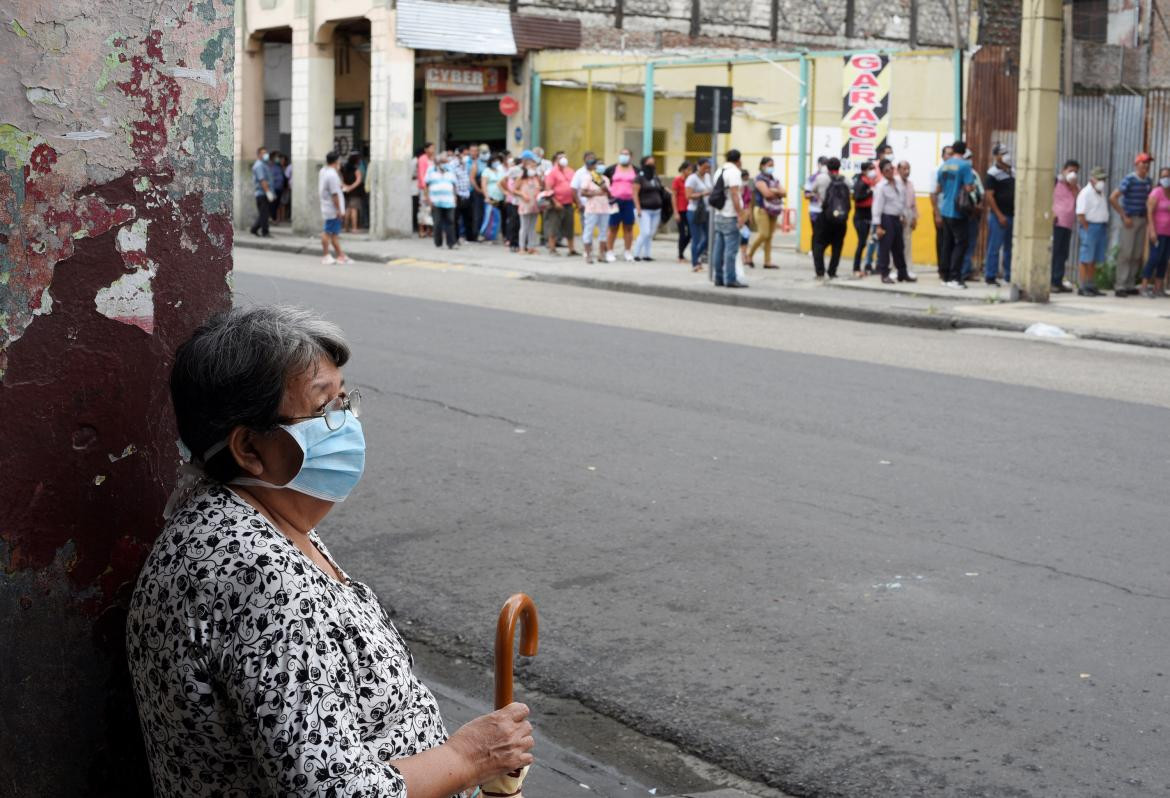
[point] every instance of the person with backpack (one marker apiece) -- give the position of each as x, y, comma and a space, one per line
955, 184
726, 202
649, 200
835, 199
863, 184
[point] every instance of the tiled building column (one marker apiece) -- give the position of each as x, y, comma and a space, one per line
391, 127
312, 120
248, 118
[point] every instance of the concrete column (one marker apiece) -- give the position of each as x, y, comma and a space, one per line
391, 127
248, 118
1039, 105
312, 120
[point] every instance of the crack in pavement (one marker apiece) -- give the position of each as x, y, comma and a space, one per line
452, 408
1055, 570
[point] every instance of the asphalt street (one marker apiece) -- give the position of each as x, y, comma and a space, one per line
846, 560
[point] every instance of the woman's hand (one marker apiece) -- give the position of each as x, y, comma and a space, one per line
497, 743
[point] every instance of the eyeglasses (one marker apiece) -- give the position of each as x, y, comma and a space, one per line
334, 412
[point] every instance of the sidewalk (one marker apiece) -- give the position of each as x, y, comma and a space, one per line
579, 753
791, 288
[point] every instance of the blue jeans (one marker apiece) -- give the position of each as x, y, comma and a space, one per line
1159, 254
999, 236
724, 249
698, 238
647, 225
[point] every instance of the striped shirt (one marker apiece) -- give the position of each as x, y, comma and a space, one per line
441, 187
1134, 193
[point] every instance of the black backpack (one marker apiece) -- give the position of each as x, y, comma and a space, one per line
718, 196
837, 204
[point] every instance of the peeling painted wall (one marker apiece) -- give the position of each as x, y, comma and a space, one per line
115, 241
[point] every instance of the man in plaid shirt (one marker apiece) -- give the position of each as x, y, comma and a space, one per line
464, 221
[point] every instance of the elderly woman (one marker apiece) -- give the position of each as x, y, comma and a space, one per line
260, 666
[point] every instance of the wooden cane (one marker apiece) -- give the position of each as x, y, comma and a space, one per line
521, 607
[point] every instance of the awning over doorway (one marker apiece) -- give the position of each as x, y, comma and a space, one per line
428, 25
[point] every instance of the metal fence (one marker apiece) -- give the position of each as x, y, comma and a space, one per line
1105, 130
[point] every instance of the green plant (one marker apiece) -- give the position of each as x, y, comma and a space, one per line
1106, 271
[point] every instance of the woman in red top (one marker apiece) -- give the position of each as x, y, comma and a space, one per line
679, 189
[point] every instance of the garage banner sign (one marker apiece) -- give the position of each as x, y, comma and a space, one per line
866, 118
463, 80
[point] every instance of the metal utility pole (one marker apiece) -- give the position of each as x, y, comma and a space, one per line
1038, 106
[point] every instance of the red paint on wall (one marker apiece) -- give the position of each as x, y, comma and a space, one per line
81, 387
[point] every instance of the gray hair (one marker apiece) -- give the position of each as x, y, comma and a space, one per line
233, 369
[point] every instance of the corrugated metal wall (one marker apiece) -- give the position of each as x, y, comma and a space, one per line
1105, 130
991, 111
1158, 126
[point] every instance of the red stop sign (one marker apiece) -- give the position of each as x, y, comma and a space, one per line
508, 105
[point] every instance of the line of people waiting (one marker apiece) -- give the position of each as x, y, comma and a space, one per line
472, 194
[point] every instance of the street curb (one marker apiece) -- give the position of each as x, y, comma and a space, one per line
869, 315
898, 318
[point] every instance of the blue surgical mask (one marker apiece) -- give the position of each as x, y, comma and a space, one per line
623, 159
333, 459
264, 157
1164, 182
769, 170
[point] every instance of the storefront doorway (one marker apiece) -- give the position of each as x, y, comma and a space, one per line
474, 122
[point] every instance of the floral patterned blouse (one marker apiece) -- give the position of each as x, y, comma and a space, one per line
257, 674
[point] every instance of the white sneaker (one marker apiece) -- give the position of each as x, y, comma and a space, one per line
344, 259
328, 260
629, 256
610, 257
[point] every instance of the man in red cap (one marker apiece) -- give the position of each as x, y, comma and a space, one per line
1129, 200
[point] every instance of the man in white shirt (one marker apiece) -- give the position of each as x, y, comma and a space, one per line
1093, 217
728, 218
332, 209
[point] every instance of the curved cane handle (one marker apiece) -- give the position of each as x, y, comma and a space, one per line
521, 607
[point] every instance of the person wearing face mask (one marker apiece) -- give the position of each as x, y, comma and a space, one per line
259, 665
954, 179
648, 201
1001, 205
526, 188
262, 190
440, 182
889, 210
558, 218
595, 201
1129, 200
863, 183
910, 219
491, 184
481, 157
767, 205
621, 180
1158, 212
1093, 216
1064, 219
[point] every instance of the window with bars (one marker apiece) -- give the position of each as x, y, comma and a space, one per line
697, 145
1090, 20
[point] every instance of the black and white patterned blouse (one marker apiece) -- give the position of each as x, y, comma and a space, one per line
258, 674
